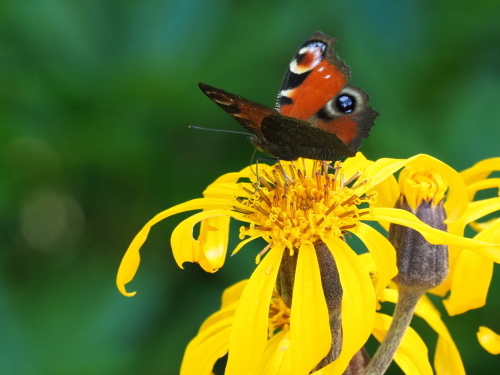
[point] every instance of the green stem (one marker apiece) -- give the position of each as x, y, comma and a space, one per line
407, 301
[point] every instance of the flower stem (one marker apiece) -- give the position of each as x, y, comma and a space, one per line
407, 301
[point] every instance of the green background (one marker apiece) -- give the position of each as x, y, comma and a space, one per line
95, 102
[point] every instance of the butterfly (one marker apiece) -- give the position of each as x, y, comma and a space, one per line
318, 114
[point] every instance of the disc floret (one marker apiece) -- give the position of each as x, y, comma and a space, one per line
293, 205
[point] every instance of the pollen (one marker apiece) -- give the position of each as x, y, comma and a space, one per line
299, 202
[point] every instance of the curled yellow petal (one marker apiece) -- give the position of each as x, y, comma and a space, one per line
489, 183
489, 340
480, 170
187, 249
131, 260
456, 202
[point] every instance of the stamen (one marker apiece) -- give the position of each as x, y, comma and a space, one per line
265, 198
347, 226
269, 177
264, 182
364, 182
345, 214
259, 227
334, 206
349, 201
262, 211
243, 211
352, 178
265, 250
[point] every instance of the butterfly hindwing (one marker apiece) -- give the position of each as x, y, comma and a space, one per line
302, 140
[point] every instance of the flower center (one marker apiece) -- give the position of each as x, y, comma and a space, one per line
419, 185
303, 204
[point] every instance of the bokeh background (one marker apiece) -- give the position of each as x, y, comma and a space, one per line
95, 102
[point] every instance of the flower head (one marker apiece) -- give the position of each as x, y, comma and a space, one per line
297, 208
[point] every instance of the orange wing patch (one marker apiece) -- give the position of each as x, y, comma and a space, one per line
343, 127
320, 86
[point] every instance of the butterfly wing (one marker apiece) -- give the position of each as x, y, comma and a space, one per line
247, 113
316, 89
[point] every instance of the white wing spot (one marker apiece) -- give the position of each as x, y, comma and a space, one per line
328, 76
321, 69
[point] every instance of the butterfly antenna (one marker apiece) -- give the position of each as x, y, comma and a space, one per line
218, 130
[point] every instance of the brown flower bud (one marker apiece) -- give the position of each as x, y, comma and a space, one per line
420, 264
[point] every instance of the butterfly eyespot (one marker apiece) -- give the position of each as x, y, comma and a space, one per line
346, 103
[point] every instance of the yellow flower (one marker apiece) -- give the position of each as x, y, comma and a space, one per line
293, 206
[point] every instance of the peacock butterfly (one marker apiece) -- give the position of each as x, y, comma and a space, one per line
318, 115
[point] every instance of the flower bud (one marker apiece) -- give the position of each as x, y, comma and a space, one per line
420, 264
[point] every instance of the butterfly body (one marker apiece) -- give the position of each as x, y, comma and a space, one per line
318, 115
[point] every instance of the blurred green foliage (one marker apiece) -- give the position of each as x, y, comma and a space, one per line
95, 101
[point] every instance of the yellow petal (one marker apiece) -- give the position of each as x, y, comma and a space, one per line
411, 356
131, 259
355, 164
233, 293
249, 334
201, 355
242, 243
358, 304
469, 292
480, 170
388, 194
185, 248
310, 334
383, 168
212, 242
383, 254
475, 211
276, 357
490, 183
489, 340
213, 322
435, 236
